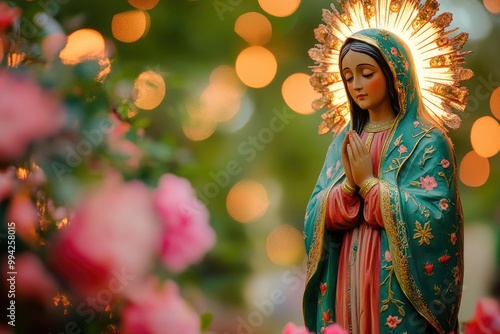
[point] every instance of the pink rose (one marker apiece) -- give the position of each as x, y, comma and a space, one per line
416, 124
387, 256
402, 149
187, 235
33, 281
393, 321
7, 177
445, 163
157, 309
23, 212
486, 318
443, 204
453, 238
27, 113
407, 66
394, 51
334, 329
291, 328
8, 15
110, 241
428, 182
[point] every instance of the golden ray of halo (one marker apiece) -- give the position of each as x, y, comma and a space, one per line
437, 56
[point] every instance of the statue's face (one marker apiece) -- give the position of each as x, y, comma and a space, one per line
365, 81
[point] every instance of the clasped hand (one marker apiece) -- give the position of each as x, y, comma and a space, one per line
356, 159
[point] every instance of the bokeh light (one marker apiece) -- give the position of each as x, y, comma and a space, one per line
474, 170
22, 173
279, 8
219, 103
227, 75
62, 223
485, 136
221, 100
254, 28
495, 103
285, 245
143, 4
15, 59
298, 93
256, 66
149, 90
242, 118
130, 26
493, 6
83, 45
247, 201
197, 126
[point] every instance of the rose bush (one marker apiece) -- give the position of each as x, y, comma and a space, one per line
103, 225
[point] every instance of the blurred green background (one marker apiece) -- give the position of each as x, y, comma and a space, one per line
255, 271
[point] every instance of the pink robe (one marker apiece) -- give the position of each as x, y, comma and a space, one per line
357, 304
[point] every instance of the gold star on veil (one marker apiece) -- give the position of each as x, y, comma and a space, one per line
437, 56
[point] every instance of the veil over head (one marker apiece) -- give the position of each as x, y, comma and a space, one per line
437, 56
398, 57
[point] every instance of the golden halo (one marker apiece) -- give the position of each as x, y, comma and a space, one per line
437, 56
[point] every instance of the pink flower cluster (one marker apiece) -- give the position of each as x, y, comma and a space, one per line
117, 232
33, 280
158, 308
27, 113
188, 236
110, 241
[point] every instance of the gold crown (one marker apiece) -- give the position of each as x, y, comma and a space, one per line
437, 56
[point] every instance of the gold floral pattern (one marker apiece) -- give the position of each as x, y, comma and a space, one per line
399, 304
426, 156
424, 233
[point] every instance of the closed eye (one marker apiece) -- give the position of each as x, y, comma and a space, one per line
368, 75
